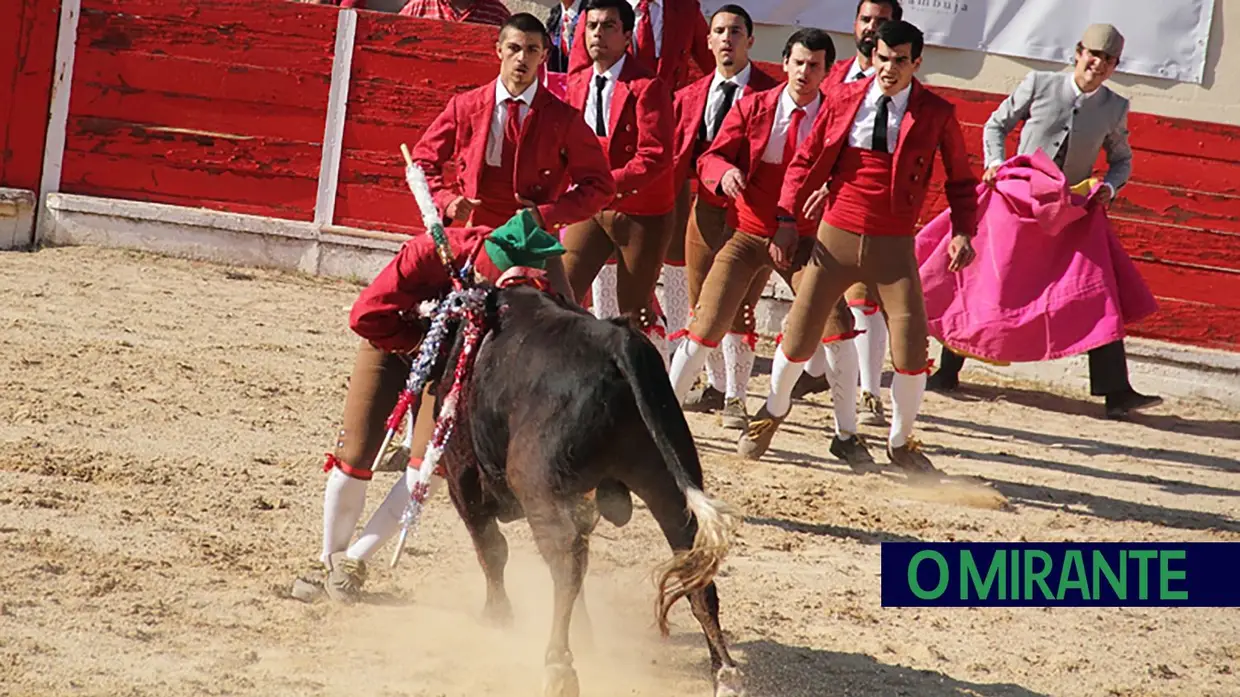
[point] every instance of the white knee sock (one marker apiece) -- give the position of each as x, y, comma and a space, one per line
906, 394
817, 366
603, 293
738, 358
344, 500
844, 363
686, 364
871, 347
784, 374
717, 369
385, 521
673, 296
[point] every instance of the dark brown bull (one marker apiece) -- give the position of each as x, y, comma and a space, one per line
561, 404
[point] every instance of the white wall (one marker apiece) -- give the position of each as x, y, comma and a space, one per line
1217, 99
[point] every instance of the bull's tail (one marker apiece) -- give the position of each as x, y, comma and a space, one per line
693, 569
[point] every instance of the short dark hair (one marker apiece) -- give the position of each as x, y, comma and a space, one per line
898, 33
628, 17
735, 10
897, 12
526, 23
812, 39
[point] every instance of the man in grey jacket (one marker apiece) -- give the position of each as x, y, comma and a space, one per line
1071, 117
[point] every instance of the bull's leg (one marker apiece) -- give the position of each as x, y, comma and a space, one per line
585, 518
668, 505
563, 546
492, 551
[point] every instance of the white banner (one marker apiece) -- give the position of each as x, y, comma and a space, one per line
1162, 38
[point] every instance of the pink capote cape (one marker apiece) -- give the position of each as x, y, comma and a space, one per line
1050, 278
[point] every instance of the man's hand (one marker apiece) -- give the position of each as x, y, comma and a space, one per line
526, 203
961, 252
733, 182
989, 176
1103, 197
461, 208
783, 244
816, 203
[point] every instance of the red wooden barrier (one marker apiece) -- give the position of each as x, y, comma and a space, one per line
27, 53
206, 103
222, 104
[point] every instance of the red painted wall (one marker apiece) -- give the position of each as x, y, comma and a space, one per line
206, 103
27, 55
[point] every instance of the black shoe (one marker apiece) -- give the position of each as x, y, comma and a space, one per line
614, 501
704, 399
943, 381
854, 452
1119, 405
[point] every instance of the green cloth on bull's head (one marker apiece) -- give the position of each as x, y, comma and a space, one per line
520, 242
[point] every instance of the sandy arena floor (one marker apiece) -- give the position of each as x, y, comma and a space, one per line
163, 426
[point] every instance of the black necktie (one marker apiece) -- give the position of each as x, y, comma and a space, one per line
600, 126
880, 125
860, 75
729, 92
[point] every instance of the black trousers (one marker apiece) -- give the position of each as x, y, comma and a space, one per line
1108, 368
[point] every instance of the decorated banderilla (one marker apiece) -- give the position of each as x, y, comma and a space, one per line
465, 303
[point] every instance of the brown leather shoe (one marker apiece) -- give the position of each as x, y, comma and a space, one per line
758, 434
911, 459
345, 578
734, 415
872, 410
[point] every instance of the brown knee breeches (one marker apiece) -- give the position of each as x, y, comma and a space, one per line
675, 255
640, 243
734, 284
706, 233
374, 386
887, 264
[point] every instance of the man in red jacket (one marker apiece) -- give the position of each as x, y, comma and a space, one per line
700, 226
384, 316
630, 111
514, 145
667, 36
746, 162
869, 161
871, 343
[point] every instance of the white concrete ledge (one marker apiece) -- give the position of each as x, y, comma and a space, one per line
340, 252
17, 207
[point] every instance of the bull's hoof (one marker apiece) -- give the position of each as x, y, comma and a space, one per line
560, 680
728, 682
498, 613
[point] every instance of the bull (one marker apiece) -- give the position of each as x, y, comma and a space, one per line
563, 417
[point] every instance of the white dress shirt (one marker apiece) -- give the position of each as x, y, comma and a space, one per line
862, 134
499, 118
656, 25
592, 105
774, 153
714, 97
856, 73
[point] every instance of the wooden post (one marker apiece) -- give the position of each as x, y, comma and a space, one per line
337, 105
58, 114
